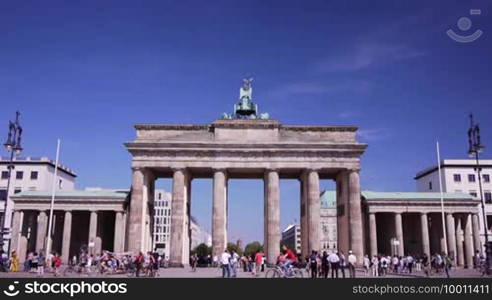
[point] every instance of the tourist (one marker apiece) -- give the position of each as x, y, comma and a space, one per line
375, 266
41, 264
49, 261
89, 262
34, 262
27, 262
290, 258
395, 262
246, 264
410, 261
56, 261
425, 264
14, 262
258, 262
193, 262
233, 263
384, 262
215, 261
476, 259
343, 263
263, 263
325, 266
224, 262
139, 260
3, 262
313, 264
352, 260
366, 263
334, 264
446, 264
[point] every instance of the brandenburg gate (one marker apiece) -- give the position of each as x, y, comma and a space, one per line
245, 145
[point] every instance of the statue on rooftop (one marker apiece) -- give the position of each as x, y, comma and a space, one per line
246, 90
246, 109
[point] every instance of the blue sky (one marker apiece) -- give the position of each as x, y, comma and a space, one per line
86, 71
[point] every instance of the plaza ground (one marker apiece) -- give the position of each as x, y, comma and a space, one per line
216, 273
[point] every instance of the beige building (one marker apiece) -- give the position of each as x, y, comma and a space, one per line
88, 220
30, 174
461, 176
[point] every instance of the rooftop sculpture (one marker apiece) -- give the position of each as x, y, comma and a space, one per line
246, 109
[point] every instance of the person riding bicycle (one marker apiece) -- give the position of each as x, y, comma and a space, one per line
290, 258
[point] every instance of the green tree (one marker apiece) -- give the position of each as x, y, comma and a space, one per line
202, 250
252, 248
232, 246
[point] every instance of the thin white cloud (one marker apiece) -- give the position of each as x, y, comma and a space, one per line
320, 88
368, 55
374, 134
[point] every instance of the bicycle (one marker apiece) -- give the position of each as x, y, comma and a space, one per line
278, 272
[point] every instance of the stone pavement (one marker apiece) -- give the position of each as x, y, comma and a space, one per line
217, 273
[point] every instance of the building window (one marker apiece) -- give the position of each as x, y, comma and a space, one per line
19, 175
430, 185
457, 177
34, 175
486, 178
471, 177
5, 174
488, 197
3, 195
474, 194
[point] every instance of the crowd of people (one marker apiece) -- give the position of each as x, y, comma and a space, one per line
334, 264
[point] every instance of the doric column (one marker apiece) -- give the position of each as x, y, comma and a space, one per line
373, 235
119, 231
134, 230
313, 204
16, 230
67, 234
355, 214
460, 257
468, 241
137, 229
272, 216
92, 232
399, 233
343, 232
179, 219
424, 227
304, 217
451, 236
476, 233
42, 227
219, 212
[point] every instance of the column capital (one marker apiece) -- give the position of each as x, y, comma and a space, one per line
134, 169
423, 213
184, 170
272, 170
219, 169
353, 169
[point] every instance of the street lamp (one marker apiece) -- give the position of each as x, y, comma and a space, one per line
13, 146
476, 147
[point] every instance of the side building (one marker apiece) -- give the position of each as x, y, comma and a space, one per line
162, 225
30, 174
461, 176
291, 235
